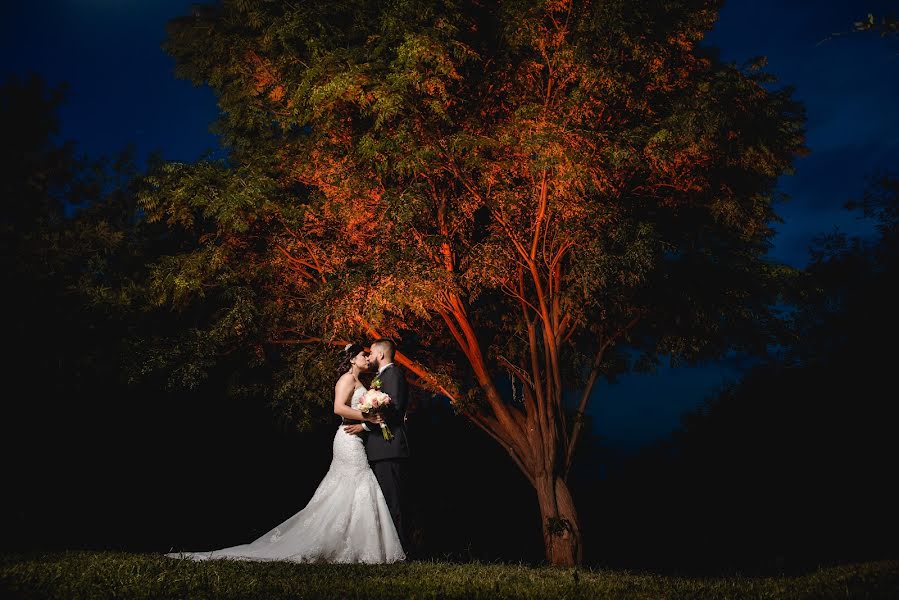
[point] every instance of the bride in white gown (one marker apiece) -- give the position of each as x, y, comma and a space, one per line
347, 520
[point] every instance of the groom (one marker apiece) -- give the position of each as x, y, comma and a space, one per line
388, 457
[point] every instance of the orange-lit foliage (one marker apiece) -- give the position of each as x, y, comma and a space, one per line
506, 189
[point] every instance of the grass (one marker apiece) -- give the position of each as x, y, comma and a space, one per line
85, 574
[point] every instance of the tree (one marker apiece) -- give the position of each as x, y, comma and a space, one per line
845, 297
803, 446
512, 190
64, 214
887, 25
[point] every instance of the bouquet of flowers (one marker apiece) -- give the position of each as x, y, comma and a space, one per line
374, 400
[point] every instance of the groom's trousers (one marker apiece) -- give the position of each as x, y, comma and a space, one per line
391, 476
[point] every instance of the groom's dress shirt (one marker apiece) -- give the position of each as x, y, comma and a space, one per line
381, 370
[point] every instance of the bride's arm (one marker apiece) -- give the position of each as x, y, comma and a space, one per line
343, 391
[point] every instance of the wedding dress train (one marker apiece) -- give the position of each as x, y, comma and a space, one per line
346, 521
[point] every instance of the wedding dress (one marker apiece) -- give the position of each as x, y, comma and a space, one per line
347, 520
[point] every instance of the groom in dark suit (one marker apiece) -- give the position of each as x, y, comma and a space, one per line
388, 457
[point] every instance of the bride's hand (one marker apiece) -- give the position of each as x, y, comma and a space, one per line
376, 418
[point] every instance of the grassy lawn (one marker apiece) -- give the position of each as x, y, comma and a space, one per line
119, 575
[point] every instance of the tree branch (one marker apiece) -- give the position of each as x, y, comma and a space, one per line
588, 388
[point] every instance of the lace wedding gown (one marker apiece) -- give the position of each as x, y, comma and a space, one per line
346, 521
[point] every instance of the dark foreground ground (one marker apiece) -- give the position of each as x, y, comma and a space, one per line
118, 575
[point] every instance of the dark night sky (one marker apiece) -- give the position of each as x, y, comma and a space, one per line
122, 91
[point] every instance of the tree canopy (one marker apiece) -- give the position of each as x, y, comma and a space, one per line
507, 189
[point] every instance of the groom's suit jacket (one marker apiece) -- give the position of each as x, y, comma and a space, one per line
393, 383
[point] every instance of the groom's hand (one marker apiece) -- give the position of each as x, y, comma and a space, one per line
353, 429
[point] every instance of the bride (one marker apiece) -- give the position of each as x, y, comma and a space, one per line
347, 520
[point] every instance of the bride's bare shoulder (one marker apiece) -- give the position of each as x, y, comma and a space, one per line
344, 381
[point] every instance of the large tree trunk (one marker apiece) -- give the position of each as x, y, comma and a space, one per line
561, 530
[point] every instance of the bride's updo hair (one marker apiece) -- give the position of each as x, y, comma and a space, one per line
347, 355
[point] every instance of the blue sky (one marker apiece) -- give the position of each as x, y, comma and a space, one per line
122, 91
850, 87
121, 84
